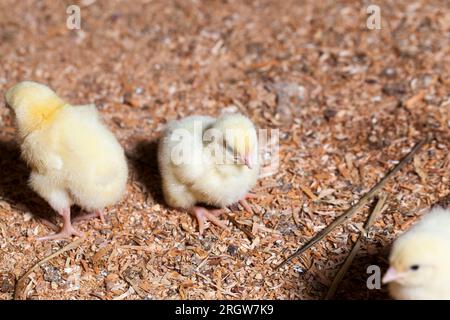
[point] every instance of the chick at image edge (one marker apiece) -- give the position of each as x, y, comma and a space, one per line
420, 260
74, 158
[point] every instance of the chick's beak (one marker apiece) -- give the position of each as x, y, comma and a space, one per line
391, 275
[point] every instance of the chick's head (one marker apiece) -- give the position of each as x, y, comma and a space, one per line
238, 139
417, 258
34, 104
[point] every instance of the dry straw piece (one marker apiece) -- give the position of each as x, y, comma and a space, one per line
347, 215
376, 212
19, 293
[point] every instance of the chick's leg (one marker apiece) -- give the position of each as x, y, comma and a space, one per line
59, 199
203, 215
67, 230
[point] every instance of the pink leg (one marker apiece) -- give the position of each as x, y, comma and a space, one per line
203, 215
96, 214
67, 230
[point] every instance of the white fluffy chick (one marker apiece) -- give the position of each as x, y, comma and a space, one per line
420, 260
74, 158
204, 160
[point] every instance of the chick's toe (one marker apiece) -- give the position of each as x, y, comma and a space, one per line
203, 215
92, 215
244, 203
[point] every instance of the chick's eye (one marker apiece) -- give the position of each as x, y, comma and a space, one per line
414, 267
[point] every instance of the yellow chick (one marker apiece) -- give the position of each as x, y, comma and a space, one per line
420, 260
204, 160
74, 158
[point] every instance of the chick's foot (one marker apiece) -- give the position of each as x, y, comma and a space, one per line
67, 230
251, 195
246, 206
203, 215
95, 214
244, 203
